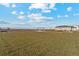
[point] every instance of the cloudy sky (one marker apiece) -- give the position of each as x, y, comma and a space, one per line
32, 15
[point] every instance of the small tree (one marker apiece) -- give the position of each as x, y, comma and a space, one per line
72, 28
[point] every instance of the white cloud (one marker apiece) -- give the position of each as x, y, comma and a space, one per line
14, 12
52, 5
21, 23
66, 16
35, 18
21, 17
55, 9
38, 6
8, 5
4, 22
58, 16
43, 6
46, 11
69, 9
13, 5
38, 18
61, 16
5, 4
21, 12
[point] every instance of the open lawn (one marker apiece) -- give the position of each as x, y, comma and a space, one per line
24, 43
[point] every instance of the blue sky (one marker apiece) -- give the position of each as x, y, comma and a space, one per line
32, 15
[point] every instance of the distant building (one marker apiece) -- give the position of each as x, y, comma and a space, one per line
4, 29
77, 28
67, 28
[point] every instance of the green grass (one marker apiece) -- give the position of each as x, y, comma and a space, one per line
23, 43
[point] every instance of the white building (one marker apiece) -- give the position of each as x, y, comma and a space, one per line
67, 28
77, 28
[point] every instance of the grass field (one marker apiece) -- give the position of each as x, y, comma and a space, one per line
51, 43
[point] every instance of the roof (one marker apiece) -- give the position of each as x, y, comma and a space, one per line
65, 26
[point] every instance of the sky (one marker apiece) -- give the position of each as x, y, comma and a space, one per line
34, 15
